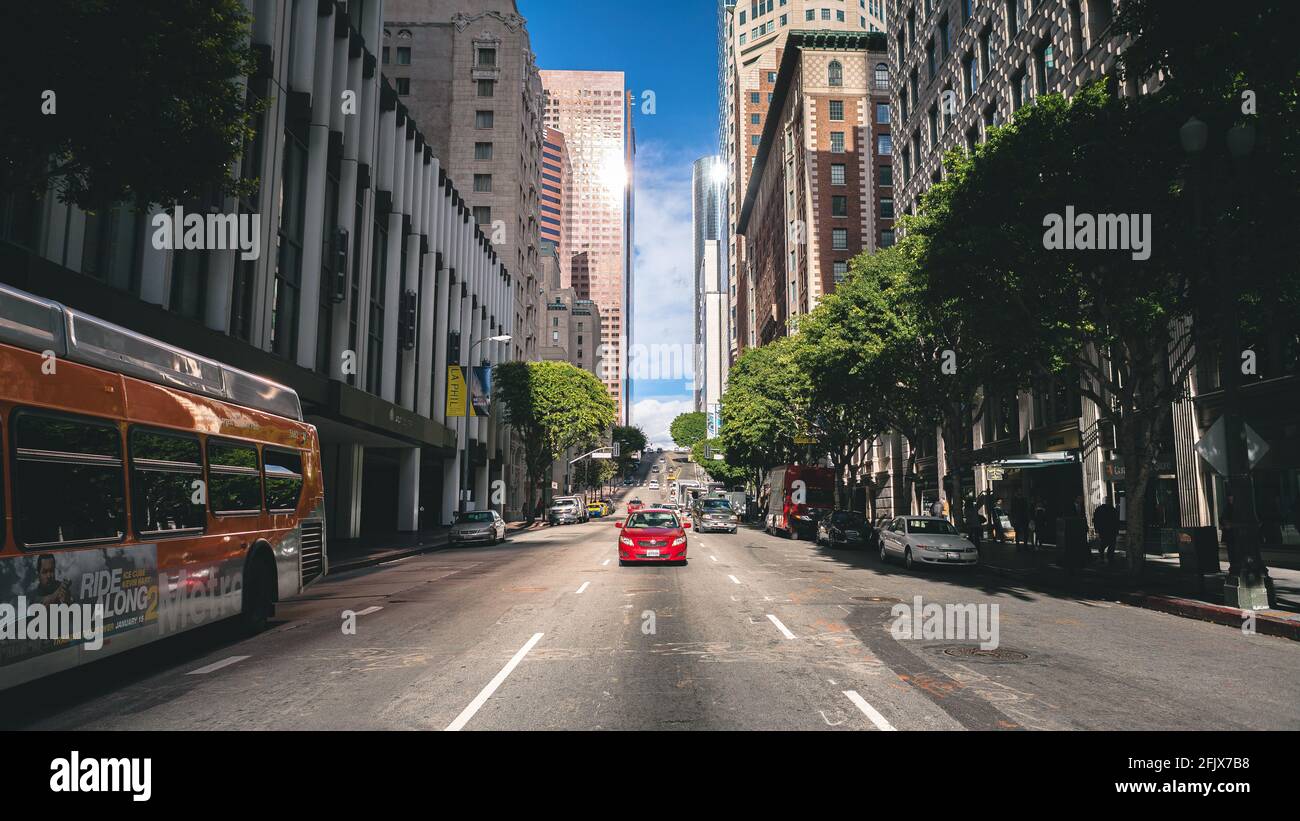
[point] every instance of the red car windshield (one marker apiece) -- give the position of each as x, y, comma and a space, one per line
651, 519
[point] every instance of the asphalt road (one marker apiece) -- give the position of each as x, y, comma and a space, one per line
756, 632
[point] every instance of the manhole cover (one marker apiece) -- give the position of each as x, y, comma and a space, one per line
878, 599
998, 654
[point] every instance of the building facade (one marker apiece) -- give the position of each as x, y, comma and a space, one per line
821, 188
555, 174
594, 112
469, 77
751, 38
708, 181
372, 273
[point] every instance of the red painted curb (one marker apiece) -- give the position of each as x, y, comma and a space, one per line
1219, 614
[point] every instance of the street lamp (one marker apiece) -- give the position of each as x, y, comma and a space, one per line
1248, 581
464, 462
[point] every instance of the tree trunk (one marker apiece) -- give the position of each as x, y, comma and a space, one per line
1137, 476
952, 447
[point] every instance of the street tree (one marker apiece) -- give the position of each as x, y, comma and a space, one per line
552, 407
764, 410
689, 428
705, 453
140, 103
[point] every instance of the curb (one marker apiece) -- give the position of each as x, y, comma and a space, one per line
403, 553
1265, 624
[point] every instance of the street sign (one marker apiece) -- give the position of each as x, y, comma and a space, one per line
1214, 446
804, 440
599, 455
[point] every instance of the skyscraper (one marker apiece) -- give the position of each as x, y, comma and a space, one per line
751, 38
708, 189
592, 109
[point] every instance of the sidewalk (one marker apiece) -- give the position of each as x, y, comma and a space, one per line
1164, 586
352, 554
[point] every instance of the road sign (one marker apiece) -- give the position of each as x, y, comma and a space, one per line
601, 455
1214, 446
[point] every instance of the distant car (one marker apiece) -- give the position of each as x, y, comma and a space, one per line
654, 484
634, 505
714, 514
595, 510
652, 535
655, 469
925, 540
478, 526
564, 512
844, 527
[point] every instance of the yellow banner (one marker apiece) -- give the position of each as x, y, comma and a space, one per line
457, 390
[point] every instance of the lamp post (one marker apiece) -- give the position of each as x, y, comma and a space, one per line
1248, 583
464, 462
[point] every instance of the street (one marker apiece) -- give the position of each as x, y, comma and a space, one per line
547, 632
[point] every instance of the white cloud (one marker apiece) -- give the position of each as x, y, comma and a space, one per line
663, 281
654, 416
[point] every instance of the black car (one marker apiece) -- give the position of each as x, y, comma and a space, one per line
844, 527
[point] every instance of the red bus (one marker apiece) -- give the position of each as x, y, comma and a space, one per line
144, 491
793, 509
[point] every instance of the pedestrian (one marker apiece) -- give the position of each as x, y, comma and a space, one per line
1105, 520
936, 507
974, 523
1039, 522
999, 519
1019, 517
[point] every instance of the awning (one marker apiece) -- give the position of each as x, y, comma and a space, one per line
1037, 460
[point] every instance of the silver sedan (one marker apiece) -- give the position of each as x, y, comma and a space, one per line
925, 540
478, 526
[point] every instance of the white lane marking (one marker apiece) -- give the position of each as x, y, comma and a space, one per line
604, 562
584, 587
395, 561
216, 665
715, 558
369, 610
482, 697
831, 680
733, 578
779, 626
869, 711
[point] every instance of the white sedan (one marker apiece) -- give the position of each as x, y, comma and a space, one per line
925, 540
654, 485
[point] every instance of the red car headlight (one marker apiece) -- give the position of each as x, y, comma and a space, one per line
626, 541
679, 541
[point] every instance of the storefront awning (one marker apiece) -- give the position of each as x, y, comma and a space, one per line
1037, 460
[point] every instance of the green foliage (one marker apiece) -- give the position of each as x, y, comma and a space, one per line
149, 107
718, 470
631, 439
764, 408
689, 428
552, 406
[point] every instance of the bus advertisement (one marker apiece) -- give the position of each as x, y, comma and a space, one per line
144, 491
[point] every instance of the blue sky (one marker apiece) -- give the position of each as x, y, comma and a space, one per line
671, 52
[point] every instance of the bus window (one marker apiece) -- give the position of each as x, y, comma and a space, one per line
234, 484
283, 480
165, 471
68, 484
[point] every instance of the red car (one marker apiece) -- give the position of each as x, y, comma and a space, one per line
634, 505
652, 535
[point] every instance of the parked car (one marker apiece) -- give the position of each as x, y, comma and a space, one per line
652, 535
595, 510
925, 540
714, 514
844, 527
478, 526
564, 511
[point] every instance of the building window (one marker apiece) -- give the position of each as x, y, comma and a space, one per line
837, 110
882, 76
482, 151
484, 119
934, 125
487, 57
839, 239
754, 97
887, 209
837, 173
944, 38
810, 14
882, 113
886, 175
403, 86
482, 215
884, 145
755, 119
840, 269
487, 88
839, 206
288, 267
836, 73
886, 237
837, 142
929, 60
1045, 63
385, 55
755, 139
771, 77
972, 71
403, 55
483, 183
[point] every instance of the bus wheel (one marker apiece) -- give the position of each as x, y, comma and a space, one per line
258, 599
